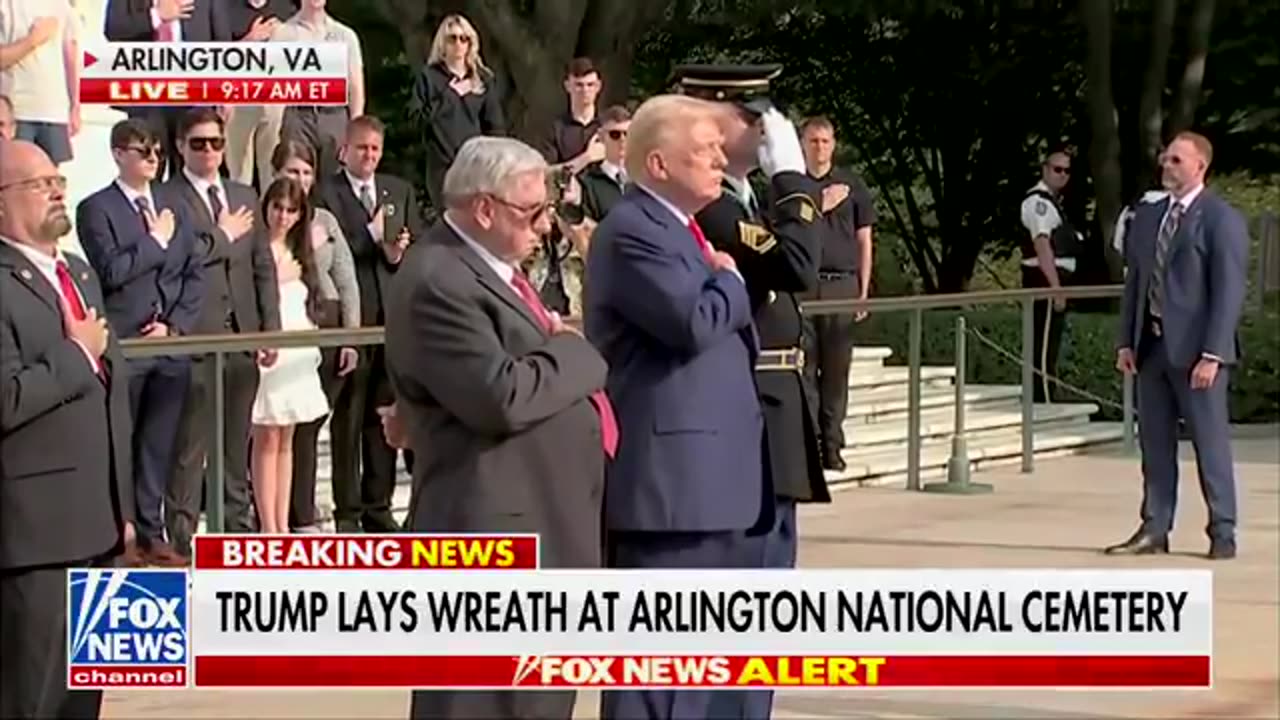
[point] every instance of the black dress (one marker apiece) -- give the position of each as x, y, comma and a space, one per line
447, 120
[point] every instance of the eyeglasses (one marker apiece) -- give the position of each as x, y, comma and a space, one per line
46, 184
617, 134
458, 38
200, 144
534, 212
146, 153
1060, 169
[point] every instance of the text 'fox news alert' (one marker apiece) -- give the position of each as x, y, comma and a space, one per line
240, 73
127, 629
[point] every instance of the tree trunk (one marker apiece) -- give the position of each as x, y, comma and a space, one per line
609, 35
1187, 101
1150, 104
1104, 149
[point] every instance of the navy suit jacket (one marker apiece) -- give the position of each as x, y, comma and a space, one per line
681, 349
1205, 280
141, 281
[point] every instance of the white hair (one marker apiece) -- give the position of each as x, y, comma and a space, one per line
488, 165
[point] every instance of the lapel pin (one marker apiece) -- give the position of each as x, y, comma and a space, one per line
26, 274
84, 277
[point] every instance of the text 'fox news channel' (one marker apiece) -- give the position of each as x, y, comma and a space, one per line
199, 73
410, 611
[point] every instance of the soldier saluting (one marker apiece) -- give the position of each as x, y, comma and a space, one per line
776, 244
1050, 247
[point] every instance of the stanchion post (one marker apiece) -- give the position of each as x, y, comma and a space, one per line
913, 399
1028, 394
1127, 401
215, 508
957, 482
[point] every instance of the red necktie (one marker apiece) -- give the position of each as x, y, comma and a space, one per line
608, 423
72, 296
703, 245
164, 33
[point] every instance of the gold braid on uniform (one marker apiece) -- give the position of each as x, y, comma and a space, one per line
808, 208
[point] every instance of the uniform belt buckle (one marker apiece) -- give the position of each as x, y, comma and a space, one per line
787, 359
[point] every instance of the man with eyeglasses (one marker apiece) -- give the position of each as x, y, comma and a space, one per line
66, 485
241, 296
137, 238
1049, 251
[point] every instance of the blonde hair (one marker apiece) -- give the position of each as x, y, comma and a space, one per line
475, 64
655, 122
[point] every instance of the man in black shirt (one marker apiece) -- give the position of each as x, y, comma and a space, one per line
843, 273
575, 136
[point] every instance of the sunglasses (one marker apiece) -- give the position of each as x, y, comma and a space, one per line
146, 153
1060, 169
454, 37
535, 212
617, 134
200, 144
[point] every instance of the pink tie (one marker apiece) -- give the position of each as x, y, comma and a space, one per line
164, 33
703, 245
608, 423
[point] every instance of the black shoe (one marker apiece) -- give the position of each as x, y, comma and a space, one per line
834, 462
1140, 544
1221, 550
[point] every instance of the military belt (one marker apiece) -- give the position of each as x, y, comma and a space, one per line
786, 359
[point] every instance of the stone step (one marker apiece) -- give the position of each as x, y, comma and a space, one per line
886, 466
894, 375
889, 403
940, 422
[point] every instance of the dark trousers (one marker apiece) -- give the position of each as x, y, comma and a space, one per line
306, 447
194, 438
324, 129
1165, 396
363, 464
33, 647
157, 397
828, 352
1048, 325
685, 550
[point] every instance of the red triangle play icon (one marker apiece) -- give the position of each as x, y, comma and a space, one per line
89, 59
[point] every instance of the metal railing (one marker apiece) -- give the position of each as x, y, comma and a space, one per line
218, 346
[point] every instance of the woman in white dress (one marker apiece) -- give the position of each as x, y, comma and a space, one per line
289, 392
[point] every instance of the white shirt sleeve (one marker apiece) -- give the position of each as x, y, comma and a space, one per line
1039, 216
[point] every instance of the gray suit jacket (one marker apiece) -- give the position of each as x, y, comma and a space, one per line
240, 275
1205, 281
66, 473
504, 436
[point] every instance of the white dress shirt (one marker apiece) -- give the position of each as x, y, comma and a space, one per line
202, 189
132, 196
376, 229
175, 26
47, 266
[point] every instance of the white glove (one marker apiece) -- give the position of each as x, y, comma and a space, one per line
780, 150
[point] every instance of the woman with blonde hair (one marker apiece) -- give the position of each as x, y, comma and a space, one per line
455, 98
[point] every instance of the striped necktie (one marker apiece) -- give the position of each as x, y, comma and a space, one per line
1169, 228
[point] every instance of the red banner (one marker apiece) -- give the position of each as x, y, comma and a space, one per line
366, 552
633, 671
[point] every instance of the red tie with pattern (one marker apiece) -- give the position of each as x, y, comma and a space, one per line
703, 245
608, 423
72, 296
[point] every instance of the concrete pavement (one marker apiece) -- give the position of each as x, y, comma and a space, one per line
1057, 516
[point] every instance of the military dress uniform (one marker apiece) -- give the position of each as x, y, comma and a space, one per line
1042, 214
776, 245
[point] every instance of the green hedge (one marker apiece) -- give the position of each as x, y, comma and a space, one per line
1088, 355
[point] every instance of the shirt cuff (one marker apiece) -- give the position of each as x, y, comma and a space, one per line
93, 361
156, 22
375, 232
1211, 356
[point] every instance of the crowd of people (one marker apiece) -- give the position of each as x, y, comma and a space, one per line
681, 426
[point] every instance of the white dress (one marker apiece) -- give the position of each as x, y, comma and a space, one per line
289, 392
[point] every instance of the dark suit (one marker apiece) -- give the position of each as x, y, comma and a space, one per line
364, 499
66, 484
778, 257
1205, 281
687, 482
494, 406
130, 21
241, 295
143, 283
600, 192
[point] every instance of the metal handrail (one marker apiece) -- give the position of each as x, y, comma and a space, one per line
218, 346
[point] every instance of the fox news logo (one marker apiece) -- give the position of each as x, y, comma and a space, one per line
127, 628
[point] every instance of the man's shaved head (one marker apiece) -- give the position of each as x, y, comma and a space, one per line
32, 196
